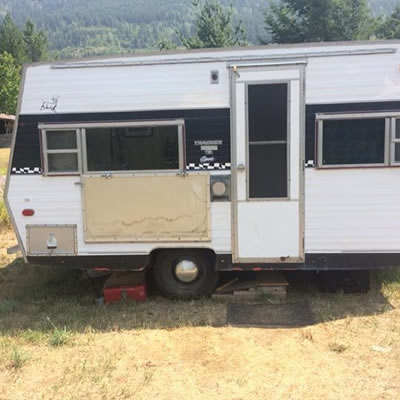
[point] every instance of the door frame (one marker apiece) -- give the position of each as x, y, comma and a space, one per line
234, 70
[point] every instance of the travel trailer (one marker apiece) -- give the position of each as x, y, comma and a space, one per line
194, 162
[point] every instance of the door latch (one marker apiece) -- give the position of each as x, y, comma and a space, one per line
241, 167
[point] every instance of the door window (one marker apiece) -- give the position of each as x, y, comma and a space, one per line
267, 138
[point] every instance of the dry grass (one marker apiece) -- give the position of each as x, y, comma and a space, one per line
4, 156
7, 240
4, 218
56, 344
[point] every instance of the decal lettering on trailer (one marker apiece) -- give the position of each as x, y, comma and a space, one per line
208, 146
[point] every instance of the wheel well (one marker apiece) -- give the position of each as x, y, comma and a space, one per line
206, 251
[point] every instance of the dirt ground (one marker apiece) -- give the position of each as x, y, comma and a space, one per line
55, 343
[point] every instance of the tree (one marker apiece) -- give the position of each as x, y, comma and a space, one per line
319, 20
11, 40
9, 83
390, 26
215, 27
357, 22
166, 44
35, 42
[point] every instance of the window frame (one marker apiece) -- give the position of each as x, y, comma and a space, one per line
388, 137
394, 141
45, 151
82, 149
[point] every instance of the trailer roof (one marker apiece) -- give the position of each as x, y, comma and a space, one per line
288, 49
180, 80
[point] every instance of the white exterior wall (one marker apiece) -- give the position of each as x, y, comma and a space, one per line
57, 200
116, 89
352, 210
339, 79
347, 210
353, 79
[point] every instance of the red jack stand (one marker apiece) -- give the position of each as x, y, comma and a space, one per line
125, 285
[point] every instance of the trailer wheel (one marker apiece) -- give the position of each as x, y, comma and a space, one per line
180, 274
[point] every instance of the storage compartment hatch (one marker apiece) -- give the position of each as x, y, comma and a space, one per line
47, 240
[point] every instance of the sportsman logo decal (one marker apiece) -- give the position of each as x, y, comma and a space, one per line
50, 105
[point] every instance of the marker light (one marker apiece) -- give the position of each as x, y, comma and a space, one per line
28, 212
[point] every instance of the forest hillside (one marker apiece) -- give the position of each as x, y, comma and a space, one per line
82, 27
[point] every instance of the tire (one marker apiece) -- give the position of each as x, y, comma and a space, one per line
167, 282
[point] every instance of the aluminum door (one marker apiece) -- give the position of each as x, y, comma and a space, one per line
268, 163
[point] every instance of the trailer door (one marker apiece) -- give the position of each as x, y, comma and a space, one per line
268, 163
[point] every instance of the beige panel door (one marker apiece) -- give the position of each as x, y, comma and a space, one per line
161, 207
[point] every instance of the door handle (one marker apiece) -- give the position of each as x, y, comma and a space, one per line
241, 167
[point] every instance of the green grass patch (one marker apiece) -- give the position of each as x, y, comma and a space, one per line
59, 337
33, 336
17, 359
53, 305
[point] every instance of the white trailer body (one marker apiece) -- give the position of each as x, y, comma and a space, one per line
271, 157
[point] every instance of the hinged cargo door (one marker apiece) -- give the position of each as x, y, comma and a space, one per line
268, 163
147, 208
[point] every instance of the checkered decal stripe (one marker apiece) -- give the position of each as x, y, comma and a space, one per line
219, 166
208, 166
310, 163
190, 166
27, 170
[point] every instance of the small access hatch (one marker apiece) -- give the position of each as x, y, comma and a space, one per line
45, 240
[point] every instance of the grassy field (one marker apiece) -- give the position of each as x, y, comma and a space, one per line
55, 343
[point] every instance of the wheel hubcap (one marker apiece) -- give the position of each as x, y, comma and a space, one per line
186, 271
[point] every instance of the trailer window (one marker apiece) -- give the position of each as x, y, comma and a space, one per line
60, 151
352, 141
137, 148
396, 142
